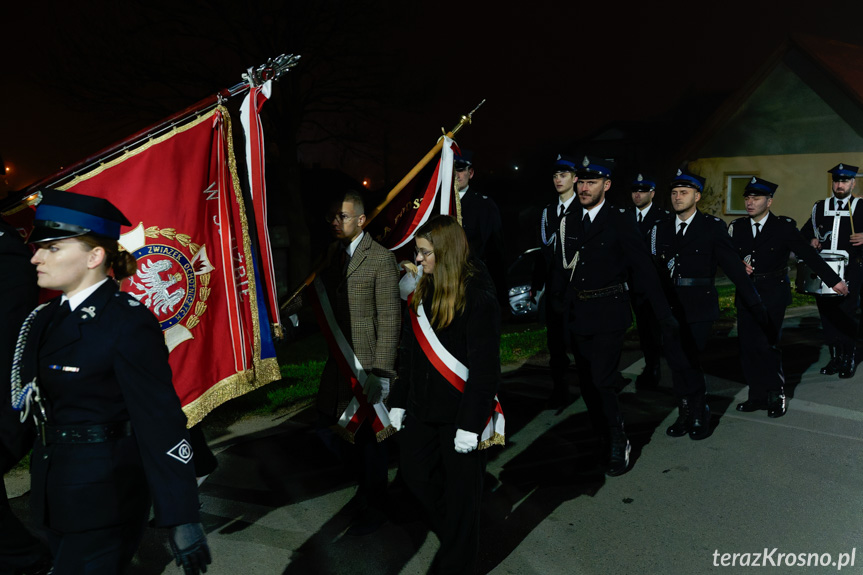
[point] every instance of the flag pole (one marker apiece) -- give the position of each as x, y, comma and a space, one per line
393, 193
421, 164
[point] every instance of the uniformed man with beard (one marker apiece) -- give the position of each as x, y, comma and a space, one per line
836, 227
600, 249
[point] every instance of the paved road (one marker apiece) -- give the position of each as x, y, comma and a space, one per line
275, 504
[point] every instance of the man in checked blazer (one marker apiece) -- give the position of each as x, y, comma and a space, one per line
361, 280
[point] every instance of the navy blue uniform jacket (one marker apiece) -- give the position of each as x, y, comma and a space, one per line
116, 370
769, 254
704, 246
607, 253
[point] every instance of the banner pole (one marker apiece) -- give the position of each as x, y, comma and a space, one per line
390, 196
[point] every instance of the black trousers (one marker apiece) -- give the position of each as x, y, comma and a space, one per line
366, 458
18, 547
683, 353
761, 361
100, 551
449, 487
596, 359
839, 317
557, 340
649, 332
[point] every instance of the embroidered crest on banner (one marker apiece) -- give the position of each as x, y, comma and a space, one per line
182, 452
172, 280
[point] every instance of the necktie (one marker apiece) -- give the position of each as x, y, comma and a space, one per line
840, 205
62, 313
560, 212
585, 222
680, 231
757, 229
640, 217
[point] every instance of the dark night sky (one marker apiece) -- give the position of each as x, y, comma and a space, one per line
551, 72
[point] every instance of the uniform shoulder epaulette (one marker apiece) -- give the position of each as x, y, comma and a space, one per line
791, 221
130, 300
622, 210
717, 219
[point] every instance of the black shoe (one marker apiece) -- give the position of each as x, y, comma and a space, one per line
618, 461
776, 403
700, 423
648, 378
751, 405
684, 420
832, 366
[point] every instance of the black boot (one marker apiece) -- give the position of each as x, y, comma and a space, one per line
618, 461
700, 428
776, 403
684, 419
831, 366
848, 364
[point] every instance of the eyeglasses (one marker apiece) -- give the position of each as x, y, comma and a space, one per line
424, 253
342, 218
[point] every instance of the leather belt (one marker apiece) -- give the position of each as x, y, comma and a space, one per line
601, 292
87, 433
771, 275
693, 282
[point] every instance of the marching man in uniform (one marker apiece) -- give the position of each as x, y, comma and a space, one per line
764, 242
836, 227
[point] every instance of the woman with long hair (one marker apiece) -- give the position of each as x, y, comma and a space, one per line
444, 401
91, 369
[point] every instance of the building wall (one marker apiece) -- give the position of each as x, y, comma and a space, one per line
802, 179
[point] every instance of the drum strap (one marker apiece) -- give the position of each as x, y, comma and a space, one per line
837, 220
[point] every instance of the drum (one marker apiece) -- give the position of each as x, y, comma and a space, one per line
808, 282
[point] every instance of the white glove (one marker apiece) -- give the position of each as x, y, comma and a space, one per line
409, 280
373, 388
385, 388
465, 441
397, 417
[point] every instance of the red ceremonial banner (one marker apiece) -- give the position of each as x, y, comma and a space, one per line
190, 236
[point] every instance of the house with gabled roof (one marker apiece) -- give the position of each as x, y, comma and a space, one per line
800, 115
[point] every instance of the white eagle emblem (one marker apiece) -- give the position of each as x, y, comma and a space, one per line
155, 289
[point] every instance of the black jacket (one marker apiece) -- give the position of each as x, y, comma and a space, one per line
769, 254
116, 369
608, 254
705, 244
473, 338
19, 295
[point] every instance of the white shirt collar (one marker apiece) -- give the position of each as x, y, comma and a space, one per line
687, 221
761, 224
565, 204
644, 211
81, 296
593, 211
462, 192
352, 247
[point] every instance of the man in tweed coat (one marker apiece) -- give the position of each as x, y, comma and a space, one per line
361, 280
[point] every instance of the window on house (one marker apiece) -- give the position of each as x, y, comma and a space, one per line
734, 186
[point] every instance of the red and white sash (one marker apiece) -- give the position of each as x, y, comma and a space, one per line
454, 372
350, 367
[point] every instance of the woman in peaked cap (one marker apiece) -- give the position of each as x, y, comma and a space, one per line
91, 368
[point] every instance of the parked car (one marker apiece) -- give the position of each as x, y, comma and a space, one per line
519, 277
